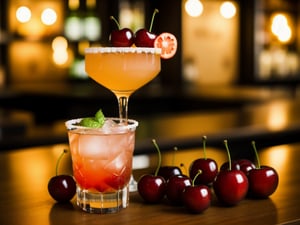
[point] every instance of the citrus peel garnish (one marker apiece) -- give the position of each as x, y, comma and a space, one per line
167, 42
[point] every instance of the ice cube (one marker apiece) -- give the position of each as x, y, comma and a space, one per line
93, 146
110, 126
118, 163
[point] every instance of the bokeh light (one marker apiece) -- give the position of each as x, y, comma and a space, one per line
60, 50
23, 14
48, 16
281, 28
194, 8
228, 10
59, 43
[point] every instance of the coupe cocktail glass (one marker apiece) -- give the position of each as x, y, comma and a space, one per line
102, 163
123, 70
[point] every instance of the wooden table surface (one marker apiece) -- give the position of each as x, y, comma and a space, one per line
24, 198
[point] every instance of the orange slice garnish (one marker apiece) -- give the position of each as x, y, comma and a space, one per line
167, 42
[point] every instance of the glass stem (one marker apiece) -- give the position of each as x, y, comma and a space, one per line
123, 107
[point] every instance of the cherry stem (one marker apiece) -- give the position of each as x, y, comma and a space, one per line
153, 15
159, 157
228, 153
114, 19
204, 146
174, 153
256, 154
59, 159
195, 177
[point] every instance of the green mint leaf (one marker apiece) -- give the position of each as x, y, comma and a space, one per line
90, 122
99, 117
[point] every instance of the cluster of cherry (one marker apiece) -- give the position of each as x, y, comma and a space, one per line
125, 37
235, 180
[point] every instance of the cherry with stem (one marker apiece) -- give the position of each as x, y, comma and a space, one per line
170, 170
230, 186
197, 198
208, 167
121, 37
61, 188
144, 37
152, 187
263, 180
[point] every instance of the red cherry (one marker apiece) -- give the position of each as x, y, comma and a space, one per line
152, 188
234, 165
246, 165
121, 37
175, 187
263, 180
168, 171
208, 167
230, 186
61, 188
196, 198
145, 38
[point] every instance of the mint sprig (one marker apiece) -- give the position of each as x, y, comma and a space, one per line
94, 122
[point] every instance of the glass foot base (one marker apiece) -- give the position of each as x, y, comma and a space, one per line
132, 184
102, 203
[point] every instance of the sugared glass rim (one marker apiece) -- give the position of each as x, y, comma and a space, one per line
122, 50
131, 124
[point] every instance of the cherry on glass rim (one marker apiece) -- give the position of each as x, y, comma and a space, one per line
144, 37
121, 37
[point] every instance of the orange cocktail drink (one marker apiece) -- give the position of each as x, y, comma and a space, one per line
122, 70
102, 163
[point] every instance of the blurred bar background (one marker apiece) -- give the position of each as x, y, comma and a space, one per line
230, 54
